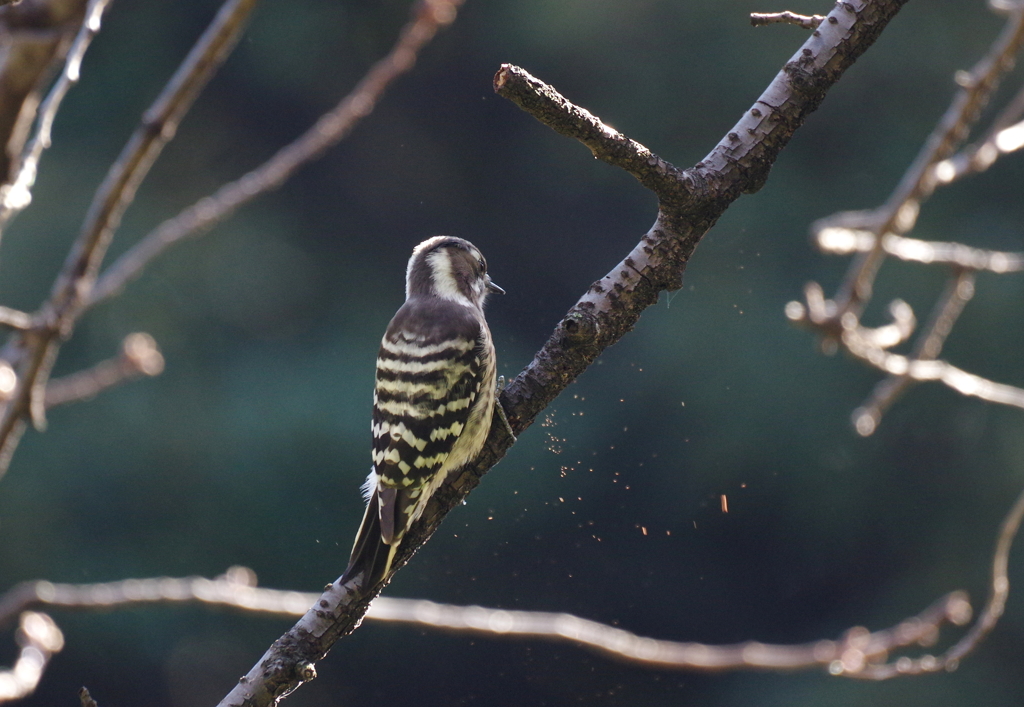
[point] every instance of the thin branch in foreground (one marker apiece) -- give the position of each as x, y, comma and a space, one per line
237, 589
17, 195
847, 656
140, 356
999, 591
428, 17
858, 654
38, 639
760, 19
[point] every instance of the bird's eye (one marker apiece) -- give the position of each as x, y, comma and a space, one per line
482, 264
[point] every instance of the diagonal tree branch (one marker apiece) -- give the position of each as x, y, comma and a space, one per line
690, 202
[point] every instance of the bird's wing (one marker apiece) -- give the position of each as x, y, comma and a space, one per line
428, 376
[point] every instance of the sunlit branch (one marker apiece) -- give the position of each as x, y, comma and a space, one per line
848, 655
1005, 135
857, 654
139, 357
236, 588
958, 292
14, 197
759, 19
430, 15
840, 240
899, 213
875, 234
14, 319
918, 370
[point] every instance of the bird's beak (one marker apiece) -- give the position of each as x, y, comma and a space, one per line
491, 287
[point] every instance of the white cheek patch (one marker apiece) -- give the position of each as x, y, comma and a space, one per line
443, 277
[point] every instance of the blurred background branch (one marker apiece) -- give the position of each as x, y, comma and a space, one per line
139, 357
874, 235
38, 638
32, 354
429, 16
858, 653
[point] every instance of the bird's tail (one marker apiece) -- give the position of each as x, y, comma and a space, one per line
370, 554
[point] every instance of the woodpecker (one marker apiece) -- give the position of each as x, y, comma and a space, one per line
434, 396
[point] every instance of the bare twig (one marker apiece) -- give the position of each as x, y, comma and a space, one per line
840, 240
33, 353
85, 699
857, 654
158, 126
925, 370
139, 357
14, 197
236, 588
429, 16
14, 319
959, 291
38, 639
760, 19
999, 592
1005, 135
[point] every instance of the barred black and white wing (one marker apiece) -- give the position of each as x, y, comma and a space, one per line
430, 372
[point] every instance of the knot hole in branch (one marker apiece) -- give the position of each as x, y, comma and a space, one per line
579, 328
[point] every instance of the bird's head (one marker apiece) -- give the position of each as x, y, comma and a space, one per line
449, 268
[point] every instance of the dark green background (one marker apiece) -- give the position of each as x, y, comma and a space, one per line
251, 447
